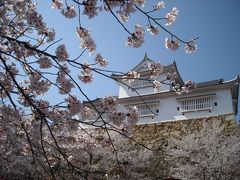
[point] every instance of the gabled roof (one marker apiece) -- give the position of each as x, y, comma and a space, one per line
142, 65
144, 71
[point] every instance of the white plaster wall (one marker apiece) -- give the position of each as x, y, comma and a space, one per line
168, 108
125, 91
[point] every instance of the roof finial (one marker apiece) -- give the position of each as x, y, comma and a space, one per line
145, 56
174, 62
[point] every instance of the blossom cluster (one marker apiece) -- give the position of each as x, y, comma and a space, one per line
87, 41
172, 16
100, 60
38, 133
90, 8
131, 76
137, 38
65, 85
37, 84
74, 105
69, 12
44, 62
159, 5
172, 44
154, 30
61, 53
155, 68
86, 76
181, 89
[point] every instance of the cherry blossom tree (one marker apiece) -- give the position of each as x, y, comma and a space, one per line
210, 153
35, 139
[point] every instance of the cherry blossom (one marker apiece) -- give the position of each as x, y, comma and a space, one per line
132, 116
172, 44
190, 47
86, 39
131, 76
61, 53
207, 153
153, 30
87, 113
38, 85
42, 139
137, 38
86, 76
74, 105
69, 12
44, 62
172, 16
155, 68
58, 4
109, 103
159, 5
139, 2
100, 60
117, 118
156, 86
90, 8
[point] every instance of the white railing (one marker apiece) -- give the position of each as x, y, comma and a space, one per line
196, 104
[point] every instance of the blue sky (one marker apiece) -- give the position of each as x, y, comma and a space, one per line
215, 22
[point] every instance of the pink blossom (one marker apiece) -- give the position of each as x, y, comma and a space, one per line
90, 8
172, 44
153, 30
131, 76
109, 103
69, 12
155, 68
100, 60
156, 86
74, 105
137, 38
86, 40
159, 5
87, 113
172, 16
57, 4
117, 118
44, 62
61, 53
190, 47
132, 115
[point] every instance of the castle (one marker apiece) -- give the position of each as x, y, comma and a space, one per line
206, 99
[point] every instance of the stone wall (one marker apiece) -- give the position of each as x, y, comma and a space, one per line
156, 136
156, 133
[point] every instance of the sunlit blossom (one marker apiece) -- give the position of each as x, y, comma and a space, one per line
100, 60
153, 30
57, 4
190, 47
69, 12
172, 44
159, 5
131, 76
137, 38
171, 17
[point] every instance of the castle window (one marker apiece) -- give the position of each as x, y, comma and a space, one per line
151, 110
196, 103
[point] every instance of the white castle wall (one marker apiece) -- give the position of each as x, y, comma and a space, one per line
168, 108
